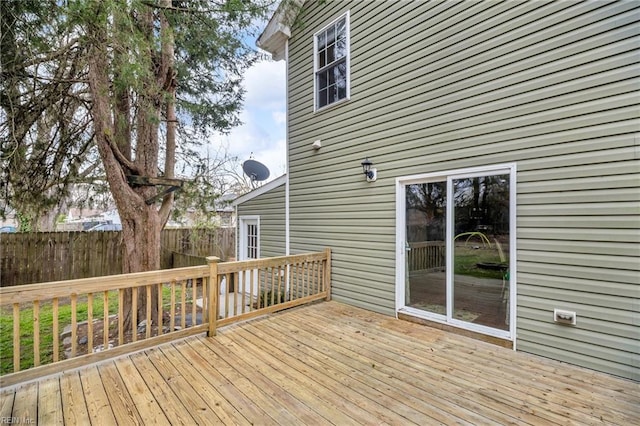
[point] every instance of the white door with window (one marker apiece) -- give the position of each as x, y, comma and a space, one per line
456, 248
249, 248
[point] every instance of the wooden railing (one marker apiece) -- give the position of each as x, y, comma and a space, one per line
51, 327
256, 287
426, 256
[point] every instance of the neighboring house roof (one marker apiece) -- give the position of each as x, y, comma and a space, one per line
273, 38
225, 203
259, 191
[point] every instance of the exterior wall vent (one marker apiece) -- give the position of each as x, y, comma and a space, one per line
564, 317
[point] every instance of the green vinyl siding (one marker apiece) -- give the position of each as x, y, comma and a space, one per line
445, 85
269, 206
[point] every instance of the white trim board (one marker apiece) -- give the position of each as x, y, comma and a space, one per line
259, 191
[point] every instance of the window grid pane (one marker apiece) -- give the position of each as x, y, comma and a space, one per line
331, 73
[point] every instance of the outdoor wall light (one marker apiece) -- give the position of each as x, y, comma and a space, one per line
370, 173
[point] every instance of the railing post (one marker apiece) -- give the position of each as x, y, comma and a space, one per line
327, 274
212, 306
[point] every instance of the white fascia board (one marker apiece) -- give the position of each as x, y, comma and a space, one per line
259, 191
278, 30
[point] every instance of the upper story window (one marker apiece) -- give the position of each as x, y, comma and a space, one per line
331, 63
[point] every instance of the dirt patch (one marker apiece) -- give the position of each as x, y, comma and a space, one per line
98, 343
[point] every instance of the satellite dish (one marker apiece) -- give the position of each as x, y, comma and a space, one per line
255, 170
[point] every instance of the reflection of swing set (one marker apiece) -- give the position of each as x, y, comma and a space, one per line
502, 266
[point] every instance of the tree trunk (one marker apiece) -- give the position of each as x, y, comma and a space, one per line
140, 222
141, 245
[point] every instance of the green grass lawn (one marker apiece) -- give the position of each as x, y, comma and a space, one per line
467, 259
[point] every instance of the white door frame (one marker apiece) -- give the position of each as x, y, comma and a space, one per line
243, 222
401, 252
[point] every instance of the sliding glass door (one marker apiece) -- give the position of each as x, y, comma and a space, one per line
458, 248
426, 205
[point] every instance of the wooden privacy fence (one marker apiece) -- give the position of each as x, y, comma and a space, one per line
426, 256
51, 327
56, 256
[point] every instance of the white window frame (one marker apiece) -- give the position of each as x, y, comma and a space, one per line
449, 176
346, 17
242, 246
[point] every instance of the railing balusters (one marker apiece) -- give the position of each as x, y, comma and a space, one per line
214, 291
243, 291
105, 320
297, 280
259, 293
205, 300
148, 319
89, 323
272, 285
251, 286
313, 278
279, 283
16, 337
160, 311
194, 292
120, 317
288, 282
74, 324
227, 287
303, 282
236, 286
183, 304
36, 333
172, 306
134, 314
327, 276
56, 331
309, 278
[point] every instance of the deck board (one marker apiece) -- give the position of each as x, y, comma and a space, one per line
121, 403
254, 390
98, 406
25, 405
49, 402
74, 406
479, 376
327, 363
221, 405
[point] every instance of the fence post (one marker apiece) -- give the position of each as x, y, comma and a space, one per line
213, 294
327, 273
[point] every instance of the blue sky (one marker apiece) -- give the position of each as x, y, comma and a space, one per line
263, 131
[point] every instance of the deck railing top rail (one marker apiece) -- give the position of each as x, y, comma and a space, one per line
270, 262
50, 290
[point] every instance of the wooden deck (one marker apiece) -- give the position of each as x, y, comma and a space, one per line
326, 363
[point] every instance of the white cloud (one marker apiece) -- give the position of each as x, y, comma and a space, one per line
264, 116
280, 117
263, 132
265, 85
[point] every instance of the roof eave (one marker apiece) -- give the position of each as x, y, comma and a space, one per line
274, 37
280, 180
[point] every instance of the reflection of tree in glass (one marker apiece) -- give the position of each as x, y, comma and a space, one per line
482, 203
429, 199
